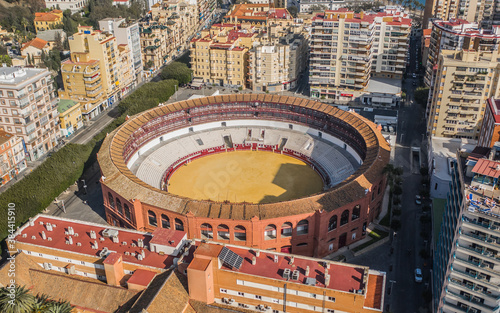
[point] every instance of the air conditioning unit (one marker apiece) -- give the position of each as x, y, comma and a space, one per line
286, 273
104, 252
110, 232
295, 275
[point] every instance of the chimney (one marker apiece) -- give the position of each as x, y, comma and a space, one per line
70, 240
140, 243
115, 239
71, 231
257, 253
326, 272
327, 280
96, 245
49, 227
254, 260
43, 235
291, 261
92, 234
307, 270
32, 223
143, 254
327, 265
275, 258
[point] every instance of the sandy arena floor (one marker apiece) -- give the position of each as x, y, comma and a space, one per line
245, 176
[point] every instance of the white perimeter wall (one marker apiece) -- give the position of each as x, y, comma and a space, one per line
244, 123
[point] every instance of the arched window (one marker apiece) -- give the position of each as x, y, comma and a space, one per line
240, 233
286, 229
302, 227
126, 210
119, 206
270, 232
111, 200
332, 223
222, 232
207, 231
152, 218
355, 212
344, 218
179, 225
302, 244
165, 221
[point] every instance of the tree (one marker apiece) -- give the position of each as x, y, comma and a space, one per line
6, 59
41, 304
293, 10
58, 44
178, 71
58, 307
421, 94
21, 302
317, 8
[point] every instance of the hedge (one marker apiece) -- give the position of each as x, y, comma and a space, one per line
39, 188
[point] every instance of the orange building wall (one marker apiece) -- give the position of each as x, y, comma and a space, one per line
202, 288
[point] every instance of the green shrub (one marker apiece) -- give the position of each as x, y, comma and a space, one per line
178, 71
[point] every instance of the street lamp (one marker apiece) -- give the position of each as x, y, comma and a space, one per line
63, 207
84, 186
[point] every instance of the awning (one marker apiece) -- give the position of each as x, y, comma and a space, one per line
381, 100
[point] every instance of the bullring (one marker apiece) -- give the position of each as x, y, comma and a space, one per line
313, 225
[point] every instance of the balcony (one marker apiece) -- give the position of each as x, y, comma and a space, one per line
469, 301
480, 265
480, 253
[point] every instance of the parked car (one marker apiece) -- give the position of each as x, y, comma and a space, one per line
418, 275
414, 75
418, 199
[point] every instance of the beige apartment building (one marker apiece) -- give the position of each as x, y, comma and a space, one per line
484, 12
174, 25
28, 108
83, 83
102, 47
349, 50
274, 67
219, 55
464, 81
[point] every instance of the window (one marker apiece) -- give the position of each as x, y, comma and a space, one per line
258, 297
344, 218
126, 211
165, 221
119, 206
330, 310
303, 227
270, 232
207, 231
331, 299
356, 212
111, 200
332, 223
223, 290
179, 225
240, 233
152, 218
222, 232
286, 229
242, 294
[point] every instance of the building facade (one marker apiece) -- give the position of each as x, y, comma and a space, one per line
12, 157
33, 50
347, 49
485, 13
48, 20
29, 108
219, 56
70, 117
490, 128
465, 275
72, 5
126, 33
465, 80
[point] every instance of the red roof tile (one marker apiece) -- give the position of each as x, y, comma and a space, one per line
37, 43
141, 277
167, 237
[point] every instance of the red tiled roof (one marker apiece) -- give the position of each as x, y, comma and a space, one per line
199, 264
494, 105
46, 17
83, 229
112, 258
141, 277
487, 168
37, 43
343, 277
374, 291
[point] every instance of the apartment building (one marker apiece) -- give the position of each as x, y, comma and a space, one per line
229, 277
29, 108
485, 13
83, 83
70, 117
72, 5
206, 11
457, 35
102, 47
47, 20
466, 257
274, 67
126, 33
347, 49
464, 81
267, 281
258, 15
490, 128
219, 55
12, 157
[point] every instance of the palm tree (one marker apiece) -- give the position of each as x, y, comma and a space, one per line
41, 304
16, 300
59, 307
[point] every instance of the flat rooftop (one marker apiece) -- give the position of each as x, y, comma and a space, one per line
14, 75
128, 240
444, 149
384, 85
